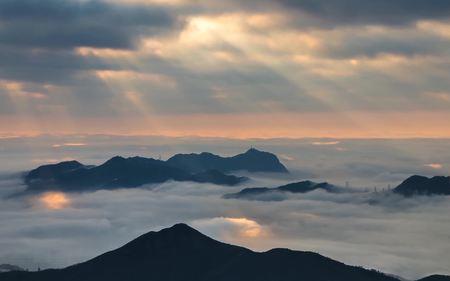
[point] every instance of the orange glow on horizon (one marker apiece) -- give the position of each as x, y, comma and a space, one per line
247, 126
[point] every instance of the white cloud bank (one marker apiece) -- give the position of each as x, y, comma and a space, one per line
402, 236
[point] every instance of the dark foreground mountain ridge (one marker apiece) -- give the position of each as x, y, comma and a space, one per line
137, 171
181, 253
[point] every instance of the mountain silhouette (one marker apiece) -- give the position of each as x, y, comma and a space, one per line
256, 193
10, 267
216, 177
420, 185
136, 171
181, 253
116, 172
252, 161
48, 172
436, 278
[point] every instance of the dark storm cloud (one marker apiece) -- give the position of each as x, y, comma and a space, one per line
385, 12
45, 65
39, 40
67, 24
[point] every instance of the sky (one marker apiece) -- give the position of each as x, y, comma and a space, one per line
236, 69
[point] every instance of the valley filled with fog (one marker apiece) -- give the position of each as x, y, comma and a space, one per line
403, 236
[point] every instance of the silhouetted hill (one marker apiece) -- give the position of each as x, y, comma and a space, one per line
136, 171
116, 172
52, 171
298, 187
419, 185
217, 177
181, 253
10, 267
436, 278
253, 161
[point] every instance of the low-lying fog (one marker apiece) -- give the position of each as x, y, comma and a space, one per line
406, 237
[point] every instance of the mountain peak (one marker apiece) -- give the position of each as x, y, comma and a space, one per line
252, 160
182, 253
181, 228
415, 178
115, 159
420, 185
276, 193
253, 150
436, 277
177, 235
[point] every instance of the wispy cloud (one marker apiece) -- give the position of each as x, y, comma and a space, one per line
69, 144
324, 143
436, 166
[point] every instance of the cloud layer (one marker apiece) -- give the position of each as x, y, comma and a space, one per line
69, 24
343, 227
382, 12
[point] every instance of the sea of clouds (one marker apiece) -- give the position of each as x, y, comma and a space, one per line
406, 237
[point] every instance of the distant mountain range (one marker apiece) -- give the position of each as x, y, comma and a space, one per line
420, 185
263, 193
137, 171
203, 168
414, 185
181, 253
